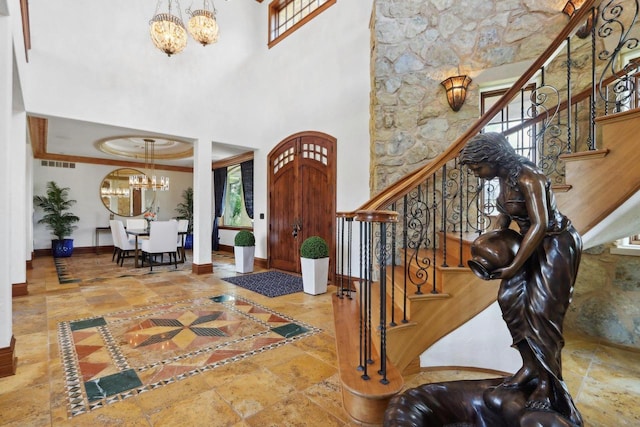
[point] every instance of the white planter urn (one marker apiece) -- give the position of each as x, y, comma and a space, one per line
244, 258
315, 275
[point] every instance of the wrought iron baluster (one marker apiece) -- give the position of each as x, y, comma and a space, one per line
349, 246
363, 309
444, 217
405, 248
393, 270
611, 15
591, 141
369, 283
569, 118
433, 234
340, 256
461, 204
383, 303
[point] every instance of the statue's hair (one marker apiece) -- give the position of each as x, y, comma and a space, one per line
493, 147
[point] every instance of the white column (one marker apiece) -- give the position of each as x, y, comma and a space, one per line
6, 88
18, 155
202, 202
28, 200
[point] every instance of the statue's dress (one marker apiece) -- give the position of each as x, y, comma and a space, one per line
535, 300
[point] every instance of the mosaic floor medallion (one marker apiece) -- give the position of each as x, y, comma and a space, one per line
119, 355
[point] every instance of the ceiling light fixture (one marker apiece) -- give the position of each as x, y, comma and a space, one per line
167, 29
148, 180
202, 24
169, 33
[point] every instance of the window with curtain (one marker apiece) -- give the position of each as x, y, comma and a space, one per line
235, 212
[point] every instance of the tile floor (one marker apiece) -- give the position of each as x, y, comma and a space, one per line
291, 385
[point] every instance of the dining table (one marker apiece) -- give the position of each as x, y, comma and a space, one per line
142, 232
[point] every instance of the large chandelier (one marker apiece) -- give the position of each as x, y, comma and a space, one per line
168, 31
148, 180
202, 24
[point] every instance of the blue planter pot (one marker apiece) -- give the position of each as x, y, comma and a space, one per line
188, 241
62, 248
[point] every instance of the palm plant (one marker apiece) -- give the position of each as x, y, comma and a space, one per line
185, 208
55, 206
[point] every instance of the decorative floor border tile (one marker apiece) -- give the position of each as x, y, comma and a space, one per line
100, 370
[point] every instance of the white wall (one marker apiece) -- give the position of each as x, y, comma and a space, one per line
235, 92
483, 342
84, 183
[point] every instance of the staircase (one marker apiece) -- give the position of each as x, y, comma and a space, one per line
602, 181
412, 286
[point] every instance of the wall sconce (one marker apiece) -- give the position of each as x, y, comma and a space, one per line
456, 88
572, 7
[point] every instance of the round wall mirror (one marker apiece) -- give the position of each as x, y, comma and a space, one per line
120, 198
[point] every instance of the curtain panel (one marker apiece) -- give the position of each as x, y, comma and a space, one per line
246, 172
219, 184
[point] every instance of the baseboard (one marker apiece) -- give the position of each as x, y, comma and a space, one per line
8, 362
19, 289
202, 268
76, 250
260, 262
225, 248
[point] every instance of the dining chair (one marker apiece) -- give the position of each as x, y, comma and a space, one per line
136, 223
183, 227
114, 236
125, 243
163, 238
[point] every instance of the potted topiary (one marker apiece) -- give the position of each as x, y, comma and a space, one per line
57, 218
185, 211
244, 246
314, 260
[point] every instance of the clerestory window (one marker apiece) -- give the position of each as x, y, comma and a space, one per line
286, 16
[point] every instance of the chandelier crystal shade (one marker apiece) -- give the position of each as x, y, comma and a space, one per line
148, 180
202, 24
169, 33
167, 30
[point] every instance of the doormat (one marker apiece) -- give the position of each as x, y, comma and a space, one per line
116, 356
270, 284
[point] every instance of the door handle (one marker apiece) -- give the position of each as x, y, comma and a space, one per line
297, 226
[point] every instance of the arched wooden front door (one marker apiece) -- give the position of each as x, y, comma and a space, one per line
302, 196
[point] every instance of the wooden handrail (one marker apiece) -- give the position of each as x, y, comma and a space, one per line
410, 181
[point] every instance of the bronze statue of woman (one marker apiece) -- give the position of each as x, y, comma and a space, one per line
536, 286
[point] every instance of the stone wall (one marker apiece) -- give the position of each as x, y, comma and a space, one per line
606, 300
419, 43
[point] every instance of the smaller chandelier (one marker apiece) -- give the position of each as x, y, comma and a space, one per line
148, 180
202, 24
167, 30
